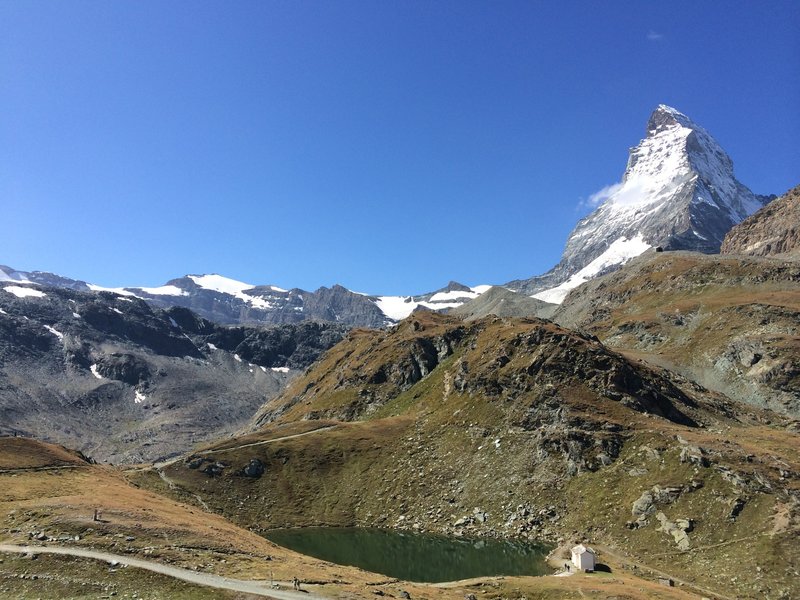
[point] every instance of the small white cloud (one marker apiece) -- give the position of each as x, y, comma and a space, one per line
630, 193
654, 36
599, 197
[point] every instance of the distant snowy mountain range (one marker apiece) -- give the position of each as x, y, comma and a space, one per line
678, 192
228, 301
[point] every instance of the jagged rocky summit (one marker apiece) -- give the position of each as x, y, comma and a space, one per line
678, 192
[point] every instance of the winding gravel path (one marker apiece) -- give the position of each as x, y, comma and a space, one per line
206, 579
170, 461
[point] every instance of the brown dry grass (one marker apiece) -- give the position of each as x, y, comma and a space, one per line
20, 453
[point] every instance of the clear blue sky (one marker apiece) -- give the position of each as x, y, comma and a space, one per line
387, 146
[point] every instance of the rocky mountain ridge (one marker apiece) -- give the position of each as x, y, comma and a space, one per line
227, 301
501, 359
502, 302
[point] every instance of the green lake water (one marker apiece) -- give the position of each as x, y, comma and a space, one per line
418, 557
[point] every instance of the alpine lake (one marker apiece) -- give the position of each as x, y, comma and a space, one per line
420, 557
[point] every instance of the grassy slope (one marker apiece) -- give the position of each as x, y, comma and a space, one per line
427, 453
60, 503
704, 316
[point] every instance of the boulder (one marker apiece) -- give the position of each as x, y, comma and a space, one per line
255, 468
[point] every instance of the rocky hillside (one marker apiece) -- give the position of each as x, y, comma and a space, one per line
121, 381
730, 323
501, 359
517, 427
772, 231
678, 192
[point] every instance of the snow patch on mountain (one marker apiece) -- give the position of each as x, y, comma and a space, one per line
120, 291
55, 332
232, 287
396, 307
399, 307
619, 252
218, 283
23, 292
164, 290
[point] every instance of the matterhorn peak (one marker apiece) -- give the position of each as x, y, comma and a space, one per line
664, 117
678, 192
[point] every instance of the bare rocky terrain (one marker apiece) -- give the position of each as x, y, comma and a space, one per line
124, 382
772, 231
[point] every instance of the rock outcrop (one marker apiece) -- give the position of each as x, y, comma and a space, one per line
772, 231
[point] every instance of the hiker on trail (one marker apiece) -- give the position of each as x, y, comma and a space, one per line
296, 584
566, 566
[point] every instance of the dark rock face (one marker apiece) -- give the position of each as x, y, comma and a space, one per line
340, 305
137, 324
295, 345
772, 231
124, 367
123, 381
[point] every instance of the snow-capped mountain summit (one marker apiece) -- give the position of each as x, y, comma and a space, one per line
678, 192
